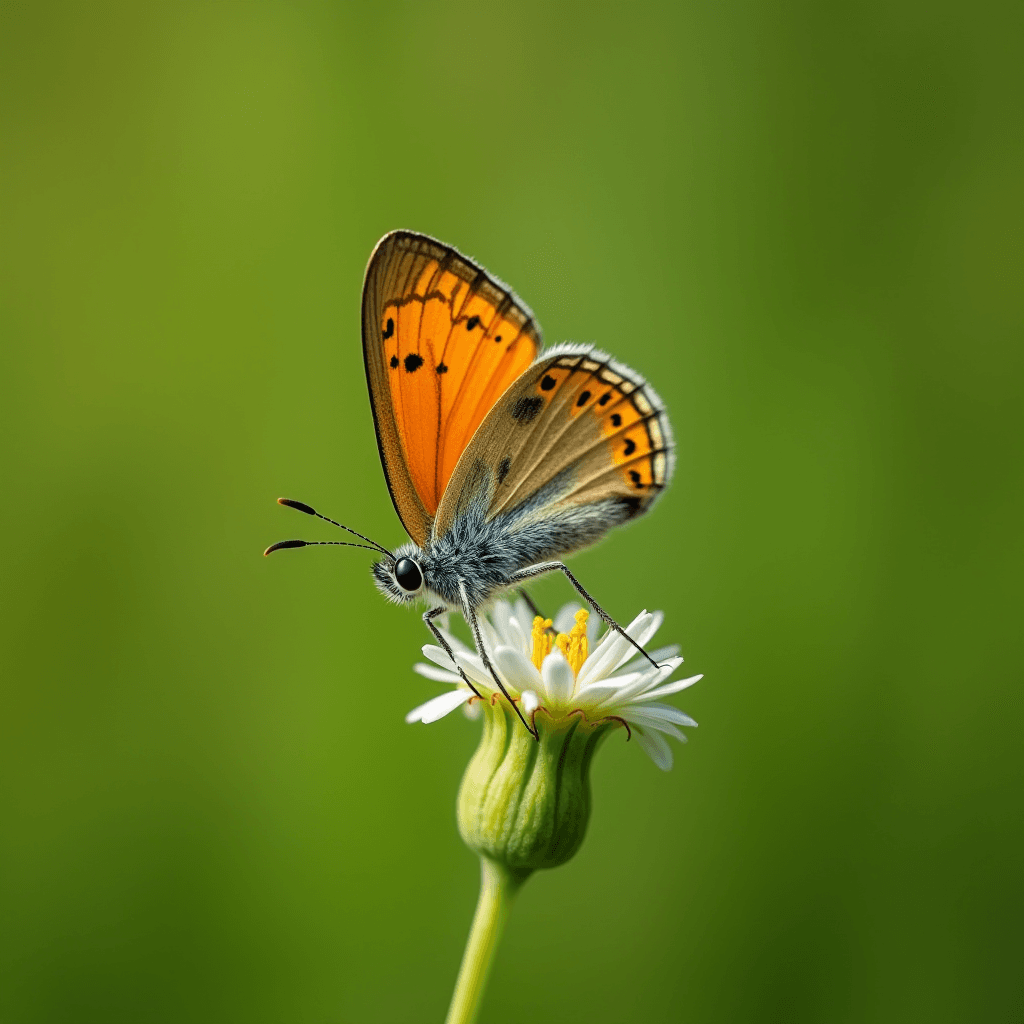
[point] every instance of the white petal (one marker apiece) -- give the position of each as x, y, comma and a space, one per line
530, 702
517, 638
597, 693
659, 655
438, 707
453, 641
565, 618
473, 666
499, 615
439, 675
524, 616
661, 713
558, 680
656, 746
516, 669
643, 681
438, 656
487, 631
666, 727
612, 652
674, 687
644, 636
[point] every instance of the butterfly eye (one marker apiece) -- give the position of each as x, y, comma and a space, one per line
408, 574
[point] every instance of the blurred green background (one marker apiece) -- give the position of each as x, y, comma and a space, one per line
803, 222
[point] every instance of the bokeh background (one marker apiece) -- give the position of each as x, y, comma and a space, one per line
802, 221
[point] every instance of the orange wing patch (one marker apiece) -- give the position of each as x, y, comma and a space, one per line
452, 341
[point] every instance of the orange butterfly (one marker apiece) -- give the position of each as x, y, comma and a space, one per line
500, 459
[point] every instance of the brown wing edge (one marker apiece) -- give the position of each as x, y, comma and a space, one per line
642, 393
414, 516
400, 485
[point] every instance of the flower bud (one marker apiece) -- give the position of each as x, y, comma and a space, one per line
525, 802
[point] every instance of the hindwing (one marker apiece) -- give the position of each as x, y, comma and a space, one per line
577, 429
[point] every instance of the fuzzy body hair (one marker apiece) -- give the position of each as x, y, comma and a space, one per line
481, 556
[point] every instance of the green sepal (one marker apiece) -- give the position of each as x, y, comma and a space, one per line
525, 802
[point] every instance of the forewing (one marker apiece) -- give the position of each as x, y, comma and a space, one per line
577, 429
442, 340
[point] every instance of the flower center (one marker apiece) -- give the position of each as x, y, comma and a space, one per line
573, 645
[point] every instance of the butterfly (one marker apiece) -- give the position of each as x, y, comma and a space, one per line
501, 458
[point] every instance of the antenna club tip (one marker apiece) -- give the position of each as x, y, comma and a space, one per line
300, 505
285, 544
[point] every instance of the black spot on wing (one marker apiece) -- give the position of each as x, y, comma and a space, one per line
497, 337
394, 362
441, 368
630, 446
413, 362
635, 477
616, 420
526, 408
472, 323
547, 383
389, 329
603, 400
503, 467
584, 398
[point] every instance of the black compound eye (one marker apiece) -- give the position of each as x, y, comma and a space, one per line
408, 574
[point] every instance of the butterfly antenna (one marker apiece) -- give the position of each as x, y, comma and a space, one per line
310, 511
312, 543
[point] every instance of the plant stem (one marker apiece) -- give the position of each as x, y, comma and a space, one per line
498, 886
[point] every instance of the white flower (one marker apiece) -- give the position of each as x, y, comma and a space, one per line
560, 673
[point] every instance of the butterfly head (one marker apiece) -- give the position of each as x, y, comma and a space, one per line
400, 579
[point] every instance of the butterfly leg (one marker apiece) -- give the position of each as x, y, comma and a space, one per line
478, 639
428, 618
542, 567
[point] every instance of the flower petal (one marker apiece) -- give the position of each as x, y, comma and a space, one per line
490, 635
666, 727
453, 641
656, 747
516, 669
473, 666
661, 654
603, 692
565, 617
438, 656
517, 638
612, 651
557, 675
500, 613
637, 682
673, 687
524, 616
439, 675
644, 636
661, 713
439, 706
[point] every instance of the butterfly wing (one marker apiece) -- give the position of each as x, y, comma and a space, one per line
578, 444
442, 341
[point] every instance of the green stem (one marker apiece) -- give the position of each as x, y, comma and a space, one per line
498, 886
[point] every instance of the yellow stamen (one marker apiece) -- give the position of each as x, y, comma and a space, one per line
541, 640
577, 653
574, 643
